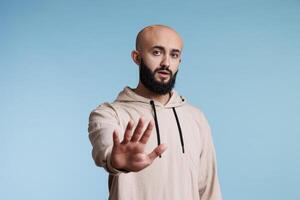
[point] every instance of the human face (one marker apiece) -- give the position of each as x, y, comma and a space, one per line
148, 80
161, 52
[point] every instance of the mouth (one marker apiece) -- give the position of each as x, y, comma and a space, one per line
164, 73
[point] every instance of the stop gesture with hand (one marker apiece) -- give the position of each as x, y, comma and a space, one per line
129, 154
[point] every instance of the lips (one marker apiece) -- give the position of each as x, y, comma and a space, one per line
163, 73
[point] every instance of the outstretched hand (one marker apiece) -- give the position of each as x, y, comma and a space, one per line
129, 154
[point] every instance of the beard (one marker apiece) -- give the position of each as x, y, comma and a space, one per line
147, 78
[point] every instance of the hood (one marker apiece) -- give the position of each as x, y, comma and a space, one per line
128, 95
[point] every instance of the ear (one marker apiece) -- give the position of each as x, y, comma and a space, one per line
135, 55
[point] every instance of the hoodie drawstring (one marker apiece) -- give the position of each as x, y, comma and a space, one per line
156, 123
157, 127
179, 129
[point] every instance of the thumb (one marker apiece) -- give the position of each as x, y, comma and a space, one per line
157, 151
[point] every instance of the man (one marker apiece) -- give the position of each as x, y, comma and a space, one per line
154, 145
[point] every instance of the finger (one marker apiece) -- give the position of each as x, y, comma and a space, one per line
144, 139
116, 139
138, 130
127, 134
157, 152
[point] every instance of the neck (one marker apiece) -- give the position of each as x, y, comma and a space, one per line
144, 92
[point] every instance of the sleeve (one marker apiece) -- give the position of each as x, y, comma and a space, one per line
209, 187
102, 122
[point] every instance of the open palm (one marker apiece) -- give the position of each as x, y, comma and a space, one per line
129, 154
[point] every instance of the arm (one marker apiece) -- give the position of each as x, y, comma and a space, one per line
127, 155
209, 188
102, 122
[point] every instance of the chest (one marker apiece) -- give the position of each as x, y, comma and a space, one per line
167, 129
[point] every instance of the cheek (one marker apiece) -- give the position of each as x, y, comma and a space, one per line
152, 63
175, 67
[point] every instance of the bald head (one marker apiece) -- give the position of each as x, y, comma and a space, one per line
155, 32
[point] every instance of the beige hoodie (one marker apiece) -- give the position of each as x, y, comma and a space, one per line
186, 170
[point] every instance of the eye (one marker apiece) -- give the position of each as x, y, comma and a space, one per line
175, 55
156, 52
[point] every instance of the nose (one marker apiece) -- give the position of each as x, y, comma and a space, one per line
166, 61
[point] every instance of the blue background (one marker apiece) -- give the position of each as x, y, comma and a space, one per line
60, 59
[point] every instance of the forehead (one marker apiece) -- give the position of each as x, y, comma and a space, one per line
166, 38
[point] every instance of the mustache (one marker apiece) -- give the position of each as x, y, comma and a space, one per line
163, 69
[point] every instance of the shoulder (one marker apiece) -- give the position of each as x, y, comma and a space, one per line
199, 116
194, 110
104, 111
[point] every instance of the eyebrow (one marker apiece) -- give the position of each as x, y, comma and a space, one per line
163, 48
